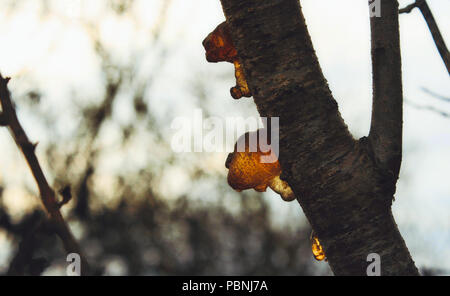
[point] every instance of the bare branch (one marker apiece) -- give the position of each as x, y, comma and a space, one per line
27, 246
47, 194
3, 120
428, 108
434, 29
435, 95
408, 8
386, 126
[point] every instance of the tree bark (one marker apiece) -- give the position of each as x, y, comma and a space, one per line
345, 186
387, 108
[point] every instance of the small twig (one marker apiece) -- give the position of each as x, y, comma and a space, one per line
48, 196
433, 27
27, 246
435, 95
408, 8
66, 194
429, 108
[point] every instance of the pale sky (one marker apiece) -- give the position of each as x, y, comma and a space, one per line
56, 52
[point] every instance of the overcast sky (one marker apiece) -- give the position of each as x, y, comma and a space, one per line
340, 32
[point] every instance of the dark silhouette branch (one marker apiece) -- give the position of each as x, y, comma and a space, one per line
435, 95
24, 256
428, 108
408, 8
3, 121
387, 106
433, 27
9, 118
344, 189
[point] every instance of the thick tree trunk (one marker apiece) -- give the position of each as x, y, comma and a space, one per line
344, 186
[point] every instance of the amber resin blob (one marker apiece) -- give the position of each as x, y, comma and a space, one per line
220, 48
317, 249
247, 170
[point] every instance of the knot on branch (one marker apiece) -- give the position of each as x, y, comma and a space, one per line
410, 7
66, 194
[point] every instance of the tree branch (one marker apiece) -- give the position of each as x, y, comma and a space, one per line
428, 108
435, 95
3, 120
385, 134
433, 27
48, 197
343, 192
27, 246
408, 8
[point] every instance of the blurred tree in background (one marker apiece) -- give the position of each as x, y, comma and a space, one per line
126, 223
97, 84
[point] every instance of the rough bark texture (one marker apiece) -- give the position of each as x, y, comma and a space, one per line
387, 116
344, 186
